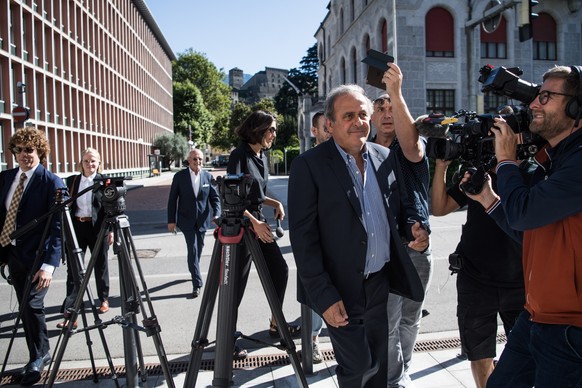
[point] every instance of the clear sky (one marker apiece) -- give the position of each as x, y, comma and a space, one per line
248, 34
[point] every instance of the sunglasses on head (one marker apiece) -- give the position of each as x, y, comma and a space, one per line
28, 150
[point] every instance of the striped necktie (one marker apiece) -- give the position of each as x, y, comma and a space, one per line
10, 221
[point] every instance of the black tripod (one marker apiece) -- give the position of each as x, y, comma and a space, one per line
77, 269
75, 261
233, 237
132, 302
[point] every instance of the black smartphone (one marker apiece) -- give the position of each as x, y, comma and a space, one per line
377, 65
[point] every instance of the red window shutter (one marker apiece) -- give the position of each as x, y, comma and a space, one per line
440, 30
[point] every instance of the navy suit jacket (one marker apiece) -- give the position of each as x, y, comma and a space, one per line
327, 233
188, 211
37, 199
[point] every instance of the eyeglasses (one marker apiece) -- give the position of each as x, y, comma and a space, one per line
273, 130
195, 159
544, 96
28, 150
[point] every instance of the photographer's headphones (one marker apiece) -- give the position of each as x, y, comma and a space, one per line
574, 106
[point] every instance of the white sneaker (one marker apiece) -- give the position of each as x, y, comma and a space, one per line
317, 356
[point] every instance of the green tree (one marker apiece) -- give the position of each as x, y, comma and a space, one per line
192, 113
305, 78
195, 68
172, 146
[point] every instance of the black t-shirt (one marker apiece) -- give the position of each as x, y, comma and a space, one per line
244, 160
489, 254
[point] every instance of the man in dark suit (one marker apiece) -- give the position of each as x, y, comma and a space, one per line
347, 220
192, 198
37, 195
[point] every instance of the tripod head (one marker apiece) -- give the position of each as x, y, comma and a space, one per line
233, 189
113, 190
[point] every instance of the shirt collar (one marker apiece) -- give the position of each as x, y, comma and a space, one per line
89, 178
28, 173
347, 157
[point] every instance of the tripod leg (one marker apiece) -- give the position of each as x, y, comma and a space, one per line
200, 340
227, 309
76, 306
128, 278
262, 270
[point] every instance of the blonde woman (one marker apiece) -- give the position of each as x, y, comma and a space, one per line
88, 215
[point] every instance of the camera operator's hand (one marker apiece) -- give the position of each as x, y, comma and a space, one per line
505, 140
420, 243
486, 197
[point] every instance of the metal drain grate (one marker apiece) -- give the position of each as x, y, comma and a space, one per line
251, 362
449, 343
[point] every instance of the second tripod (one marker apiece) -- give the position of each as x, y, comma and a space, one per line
132, 302
234, 238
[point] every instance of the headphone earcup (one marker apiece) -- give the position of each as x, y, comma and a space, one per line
573, 108
574, 105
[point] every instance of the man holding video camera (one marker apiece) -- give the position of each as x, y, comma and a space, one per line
545, 345
489, 275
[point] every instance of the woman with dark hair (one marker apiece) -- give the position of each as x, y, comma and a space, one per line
257, 133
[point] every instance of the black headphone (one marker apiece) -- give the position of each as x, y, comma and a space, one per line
574, 106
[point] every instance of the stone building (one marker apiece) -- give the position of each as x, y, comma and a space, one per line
264, 84
442, 45
97, 73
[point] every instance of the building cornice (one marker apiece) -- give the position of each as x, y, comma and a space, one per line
151, 22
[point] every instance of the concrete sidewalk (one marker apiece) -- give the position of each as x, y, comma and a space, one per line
435, 363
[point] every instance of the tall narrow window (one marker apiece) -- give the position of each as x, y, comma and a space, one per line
544, 37
354, 66
494, 44
384, 35
440, 37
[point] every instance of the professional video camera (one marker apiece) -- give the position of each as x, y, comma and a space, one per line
114, 190
233, 189
468, 136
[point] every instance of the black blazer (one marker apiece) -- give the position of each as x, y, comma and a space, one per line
97, 211
327, 234
37, 200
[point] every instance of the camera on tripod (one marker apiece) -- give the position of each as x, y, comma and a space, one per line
470, 140
234, 189
113, 194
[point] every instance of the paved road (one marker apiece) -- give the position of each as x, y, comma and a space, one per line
162, 260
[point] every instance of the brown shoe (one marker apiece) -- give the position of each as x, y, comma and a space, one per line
65, 323
104, 307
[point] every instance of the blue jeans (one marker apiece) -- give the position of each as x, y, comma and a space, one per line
539, 354
404, 321
316, 324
